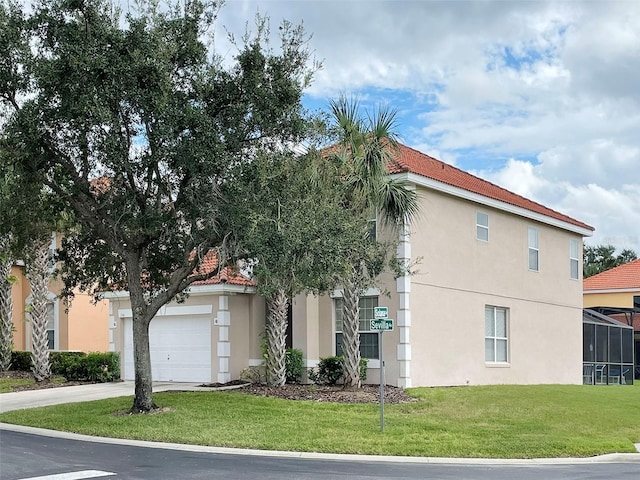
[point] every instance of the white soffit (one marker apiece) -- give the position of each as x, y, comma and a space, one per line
490, 202
216, 289
612, 290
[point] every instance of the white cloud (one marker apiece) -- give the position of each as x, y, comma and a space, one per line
553, 83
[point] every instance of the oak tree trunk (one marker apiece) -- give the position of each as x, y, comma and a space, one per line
276, 338
143, 399
350, 335
142, 315
37, 270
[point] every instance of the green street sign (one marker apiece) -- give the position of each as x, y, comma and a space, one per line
381, 312
381, 324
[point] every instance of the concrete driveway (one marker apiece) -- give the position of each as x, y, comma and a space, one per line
82, 393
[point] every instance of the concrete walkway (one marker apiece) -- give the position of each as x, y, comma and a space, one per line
98, 391
82, 393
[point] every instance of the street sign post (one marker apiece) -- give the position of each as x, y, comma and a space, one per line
381, 324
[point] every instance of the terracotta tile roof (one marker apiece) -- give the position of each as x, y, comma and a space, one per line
413, 161
625, 276
227, 274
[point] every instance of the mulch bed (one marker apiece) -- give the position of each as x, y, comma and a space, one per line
325, 393
316, 393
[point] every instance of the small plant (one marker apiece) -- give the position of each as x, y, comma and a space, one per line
330, 370
254, 374
363, 369
295, 364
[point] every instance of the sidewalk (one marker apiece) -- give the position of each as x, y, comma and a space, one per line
82, 393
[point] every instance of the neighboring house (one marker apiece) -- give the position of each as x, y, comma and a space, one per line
616, 293
81, 326
497, 298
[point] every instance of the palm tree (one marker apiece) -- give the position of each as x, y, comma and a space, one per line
276, 330
6, 304
38, 274
366, 145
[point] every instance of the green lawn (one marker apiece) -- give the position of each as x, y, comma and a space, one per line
7, 384
492, 421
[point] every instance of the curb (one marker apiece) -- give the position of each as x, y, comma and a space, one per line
607, 458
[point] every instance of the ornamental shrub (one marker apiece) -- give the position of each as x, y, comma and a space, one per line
330, 370
75, 366
295, 364
21, 361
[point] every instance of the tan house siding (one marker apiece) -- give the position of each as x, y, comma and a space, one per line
609, 299
456, 277
82, 325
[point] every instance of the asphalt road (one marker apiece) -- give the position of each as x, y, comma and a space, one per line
28, 456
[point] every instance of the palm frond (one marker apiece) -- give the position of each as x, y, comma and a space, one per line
397, 203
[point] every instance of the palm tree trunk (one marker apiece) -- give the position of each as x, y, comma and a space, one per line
6, 305
38, 275
276, 338
350, 335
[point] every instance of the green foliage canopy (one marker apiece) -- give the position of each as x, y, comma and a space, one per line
600, 258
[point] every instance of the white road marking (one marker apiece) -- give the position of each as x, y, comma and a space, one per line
73, 475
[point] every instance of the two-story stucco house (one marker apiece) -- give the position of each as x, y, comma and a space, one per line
497, 298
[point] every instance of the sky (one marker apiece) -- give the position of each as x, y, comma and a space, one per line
541, 98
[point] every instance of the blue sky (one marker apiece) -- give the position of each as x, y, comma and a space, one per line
540, 97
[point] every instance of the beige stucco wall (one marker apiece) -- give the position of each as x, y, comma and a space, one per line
458, 275
81, 326
614, 299
246, 323
87, 324
19, 292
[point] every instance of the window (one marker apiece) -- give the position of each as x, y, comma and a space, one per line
373, 228
534, 252
496, 347
52, 253
368, 339
573, 259
51, 326
482, 226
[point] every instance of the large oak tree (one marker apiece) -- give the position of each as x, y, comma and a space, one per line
138, 131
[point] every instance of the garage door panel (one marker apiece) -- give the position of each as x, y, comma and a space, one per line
180, 349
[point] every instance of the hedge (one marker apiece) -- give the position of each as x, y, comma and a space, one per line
75, 366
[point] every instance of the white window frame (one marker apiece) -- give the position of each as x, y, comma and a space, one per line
52, 252
480, 227
373, 228
53, 300
574, 253
533, 247
493, 336
362, 326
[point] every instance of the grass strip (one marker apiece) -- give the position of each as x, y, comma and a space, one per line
502, 421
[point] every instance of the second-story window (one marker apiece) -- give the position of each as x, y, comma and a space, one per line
574, 269
534, 250
482, 226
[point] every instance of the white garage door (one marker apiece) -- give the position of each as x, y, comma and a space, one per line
180, 349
